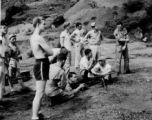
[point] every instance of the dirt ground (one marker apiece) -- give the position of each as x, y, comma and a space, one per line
129, 97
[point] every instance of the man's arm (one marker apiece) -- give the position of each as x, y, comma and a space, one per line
62, 40
45, 47
63, 81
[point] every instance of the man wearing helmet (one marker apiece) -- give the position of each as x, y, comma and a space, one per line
14, 56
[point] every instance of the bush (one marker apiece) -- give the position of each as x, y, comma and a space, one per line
13, 10
133, 5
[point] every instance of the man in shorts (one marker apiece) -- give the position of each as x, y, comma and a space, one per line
14, 56
3, 50
56, 86
41, 51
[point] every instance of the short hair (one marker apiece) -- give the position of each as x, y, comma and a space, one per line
66, 25
61, 57
71, 74
78, 24
119, 23
37, 20
87, 51
64, 51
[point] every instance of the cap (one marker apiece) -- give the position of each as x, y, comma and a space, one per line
11, 36
93, 24
66, 25
101, 58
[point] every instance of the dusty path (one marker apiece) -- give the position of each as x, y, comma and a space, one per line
128, 98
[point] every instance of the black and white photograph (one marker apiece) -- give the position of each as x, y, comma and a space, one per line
75, 59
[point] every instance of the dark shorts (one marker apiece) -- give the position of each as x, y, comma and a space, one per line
41, 69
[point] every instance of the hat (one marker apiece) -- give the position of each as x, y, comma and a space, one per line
101, 58
11, 36
93, 24
66, 25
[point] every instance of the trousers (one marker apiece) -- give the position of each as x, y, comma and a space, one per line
122, 54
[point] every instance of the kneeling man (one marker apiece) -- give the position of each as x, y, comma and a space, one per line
102, 69
56, 85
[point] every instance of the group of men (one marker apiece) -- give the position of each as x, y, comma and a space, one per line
9, 61
52, 65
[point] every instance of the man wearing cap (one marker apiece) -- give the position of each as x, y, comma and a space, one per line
3, 50
14, 56
65, 41
95, 37
122, 38
41, 51
102, 69
77, 37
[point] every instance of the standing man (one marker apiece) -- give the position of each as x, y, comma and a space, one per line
66, 42
77, 37
41, 51
14, 56
122, 38
95, 38
3, 50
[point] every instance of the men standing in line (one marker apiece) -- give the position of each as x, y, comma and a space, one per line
14, 56
77, 37
65, 41
41, 51
3, 50
122, 38
95, 37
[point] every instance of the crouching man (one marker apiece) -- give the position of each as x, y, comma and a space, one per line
86, 64
102, 70
56, 85
73, 82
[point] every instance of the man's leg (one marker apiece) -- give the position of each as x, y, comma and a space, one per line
10, 72
118, 59
2, 80
19, 78
77, 55
94, 49
40, 89
126, 60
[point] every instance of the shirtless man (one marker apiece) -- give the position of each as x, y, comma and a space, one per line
3, 50
41, 51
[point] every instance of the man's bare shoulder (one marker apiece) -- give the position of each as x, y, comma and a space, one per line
36, 38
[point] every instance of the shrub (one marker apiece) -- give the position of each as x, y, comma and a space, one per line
13, 10
133, 5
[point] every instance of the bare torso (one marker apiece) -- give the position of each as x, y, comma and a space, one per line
36, 47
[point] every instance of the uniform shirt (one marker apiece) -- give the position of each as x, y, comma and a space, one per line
84, 63
65, 40
120, 34
99, 69
78, 35
14, 51
94, 37
57, 80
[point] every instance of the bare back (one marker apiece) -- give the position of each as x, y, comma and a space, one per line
36, 48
